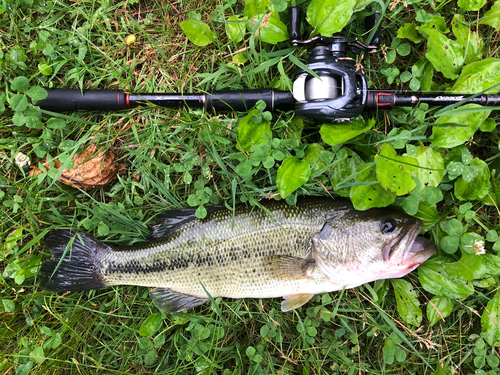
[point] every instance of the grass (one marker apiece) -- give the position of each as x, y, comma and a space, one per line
178, 156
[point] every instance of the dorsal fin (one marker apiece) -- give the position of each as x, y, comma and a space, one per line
168, 221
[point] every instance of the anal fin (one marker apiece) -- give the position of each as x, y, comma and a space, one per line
169, 301
293, 301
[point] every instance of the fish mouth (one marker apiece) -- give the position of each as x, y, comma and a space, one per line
408, 253
419, 251
411, 250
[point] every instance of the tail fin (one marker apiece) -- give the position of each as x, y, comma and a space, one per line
79, 269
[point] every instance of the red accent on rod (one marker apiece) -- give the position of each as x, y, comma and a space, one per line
127, 100
382, 94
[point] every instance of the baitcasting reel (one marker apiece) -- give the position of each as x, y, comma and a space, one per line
337, 91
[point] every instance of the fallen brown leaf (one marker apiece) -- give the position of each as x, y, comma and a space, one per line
90, 169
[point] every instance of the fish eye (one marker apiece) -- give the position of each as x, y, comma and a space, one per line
387, 226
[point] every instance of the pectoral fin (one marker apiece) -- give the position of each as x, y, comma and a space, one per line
288, 267
295, 300
170, 301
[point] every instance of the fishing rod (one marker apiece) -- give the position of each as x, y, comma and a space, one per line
330, 88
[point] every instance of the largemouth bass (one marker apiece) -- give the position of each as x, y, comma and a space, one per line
320, 245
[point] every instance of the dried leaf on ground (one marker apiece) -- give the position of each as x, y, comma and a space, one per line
90, 169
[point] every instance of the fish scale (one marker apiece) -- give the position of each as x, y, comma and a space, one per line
319, 245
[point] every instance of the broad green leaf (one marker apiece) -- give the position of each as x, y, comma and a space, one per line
492, 236
437, 23
37, 354
235, 28
478, 76
414, 84
437, 281
470, 173
279, 5
409, 31
426, 78
30, 266
472, 43
453, 227
33, 122
403, 49
24, 369
473, 267
439, 308
150, 325
477, 188
457, 128
251, 135
159, 340
56, 123
455, 169
430, 171
431, 194
368, 193
201, 212
313, 156
410, 204
334, 134
329, 16
20, 84
197, 32
394, 171
343, 169
17, 56
18, 102
13, 238
239, 59
292, 174
405, 76
428, 214
244, 168
423, 16
45, 69
488, 125
473, 5
489, 321
389, 351
9, 305
53, 342
449, 244
255, 7
446, 55
150, 357
271, 29
407, 302
492, 17
37, 93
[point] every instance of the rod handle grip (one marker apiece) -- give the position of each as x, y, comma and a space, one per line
69, 100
